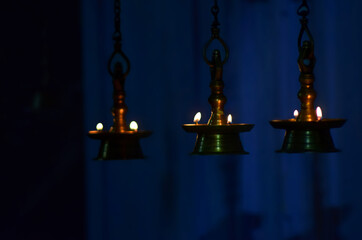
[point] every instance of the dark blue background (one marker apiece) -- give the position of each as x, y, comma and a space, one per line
173, 195
53, 188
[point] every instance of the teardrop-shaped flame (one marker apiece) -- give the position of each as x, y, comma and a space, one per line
319, 113
197, 117
99, 127
296, 113
133, 126
230, 119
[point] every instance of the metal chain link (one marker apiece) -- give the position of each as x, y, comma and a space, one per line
215, 35
117, 21
304, 11
215, 11
117, 37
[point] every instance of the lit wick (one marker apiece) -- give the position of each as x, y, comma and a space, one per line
296, 113
319, 113
197, 118
133, 126
230, 119
99, 127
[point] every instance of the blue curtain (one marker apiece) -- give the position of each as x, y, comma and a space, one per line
264, 195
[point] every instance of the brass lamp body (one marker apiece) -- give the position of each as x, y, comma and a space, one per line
120, 142
307, 133
217, 136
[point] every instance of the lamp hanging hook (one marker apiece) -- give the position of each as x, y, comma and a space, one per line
116, 52
304, 11
117, 37
215, 30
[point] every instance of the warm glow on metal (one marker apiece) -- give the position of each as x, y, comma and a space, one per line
133, 126
319, 113
230, 119
296, 113
99, 127
197, 118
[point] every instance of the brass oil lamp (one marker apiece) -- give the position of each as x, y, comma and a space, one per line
308, 132
121, 141
219, 135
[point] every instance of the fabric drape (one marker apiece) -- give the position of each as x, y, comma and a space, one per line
263, 195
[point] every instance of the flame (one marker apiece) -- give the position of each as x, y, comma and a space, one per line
230, 119
319, 113
133, 126
296, 113
197, 117
99, 127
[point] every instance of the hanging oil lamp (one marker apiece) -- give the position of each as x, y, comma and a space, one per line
308, 131
121, 141
219, 135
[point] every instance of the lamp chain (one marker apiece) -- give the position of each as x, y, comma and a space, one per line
117, 36
215, 30
215, 11
304, 11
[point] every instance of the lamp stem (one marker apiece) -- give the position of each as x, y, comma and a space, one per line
217, 98
306, 63
119, 109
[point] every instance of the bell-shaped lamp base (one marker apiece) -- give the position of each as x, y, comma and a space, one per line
312, 136
119, 146
218, 143
298, 141
218, 139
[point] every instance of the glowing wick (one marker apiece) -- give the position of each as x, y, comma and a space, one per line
197, 118
296, 113
133, 126
99, 127
230, 119
319, 113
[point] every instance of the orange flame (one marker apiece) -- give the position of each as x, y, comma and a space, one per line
319, 113
99, 127
230, 119
197, 118
133, 126
296, 113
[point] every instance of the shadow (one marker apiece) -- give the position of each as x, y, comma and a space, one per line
234, 226
245, 225
327, 228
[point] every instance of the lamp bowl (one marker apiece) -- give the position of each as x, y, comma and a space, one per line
307, 136
119, 145
218, 139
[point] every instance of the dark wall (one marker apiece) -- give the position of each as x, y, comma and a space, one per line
42, 173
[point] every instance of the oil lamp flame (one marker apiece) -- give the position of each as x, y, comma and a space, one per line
133, 126
197, 118
319, 113
99, 127
230, 119
296, 113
